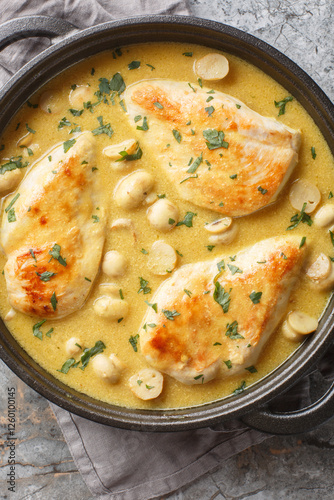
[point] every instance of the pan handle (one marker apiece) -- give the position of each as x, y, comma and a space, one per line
294, 422
33, 26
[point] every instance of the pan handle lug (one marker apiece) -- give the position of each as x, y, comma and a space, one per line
294, 422
34, 26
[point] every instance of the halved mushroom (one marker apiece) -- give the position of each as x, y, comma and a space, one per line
73, 346
320, 269
26, 140
80, 95
108, 368
132, 190
114, 263
324, 216
302, 323
10, 179
163, 215
219, 226
290, 334
212, 67
10, 315
50, 102
124, 224
111, 307
114, 153
162, 258
302, 192
146, 384
226, 237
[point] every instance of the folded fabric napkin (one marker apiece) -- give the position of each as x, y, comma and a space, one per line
119, 464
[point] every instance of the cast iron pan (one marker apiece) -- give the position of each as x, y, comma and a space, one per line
69, 46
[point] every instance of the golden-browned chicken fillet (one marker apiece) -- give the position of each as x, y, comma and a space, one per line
221, 155
53, 231
220, 310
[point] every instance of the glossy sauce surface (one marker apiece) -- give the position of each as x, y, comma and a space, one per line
256, 90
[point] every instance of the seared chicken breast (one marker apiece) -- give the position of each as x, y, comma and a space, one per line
217, 315
221, 155
53, 231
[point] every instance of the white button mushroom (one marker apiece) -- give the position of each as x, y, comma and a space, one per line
212, 67
80, 95
302, 323
162, 258
132, 190
303, 191
50, 102
124, 224
219, 226
111, 308
146, 384
10, 179
324, 216
10, 315
113, 152
163, 215
114, 264
73, 346
26, 140
290, 334
108, 368
226, 237
320, 269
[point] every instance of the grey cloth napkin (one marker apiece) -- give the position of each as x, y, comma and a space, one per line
118, 464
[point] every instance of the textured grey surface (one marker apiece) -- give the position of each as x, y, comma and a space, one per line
299, 467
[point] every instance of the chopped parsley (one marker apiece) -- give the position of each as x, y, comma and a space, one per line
150, 66
133, 341
137, 118
210, 247
32, 254
55, 254
281, 104
12, 202
200, 82
36, 329
232, 331
251, 369
145, 252
330, 195
188, 292
143, 286
190, 177
210, 110
234, 176
134, 65
192, 169
89, 353
76, 112
313, 153
54, 301
68, 144
188, 220
238, 106
14, 163
302, 217
228, 364
215, 139
234, 269
177, 135
11, 215
221, 297
46, 276
144, 126
302, 242
154, 306
187, 54
255, 297
117, 83
170, 314
135, 156
158, 105
103, 129
262, 190
121, 293
96, 219
67, 365
221, 265
241, 388
32, 131
64, 123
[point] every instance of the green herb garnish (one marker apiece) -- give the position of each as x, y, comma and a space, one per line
221, 297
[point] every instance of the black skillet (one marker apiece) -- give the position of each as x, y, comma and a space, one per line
69, 46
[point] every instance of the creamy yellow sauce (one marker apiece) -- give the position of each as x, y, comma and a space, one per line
256, 90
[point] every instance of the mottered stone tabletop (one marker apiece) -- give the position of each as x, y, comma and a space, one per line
294, 467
